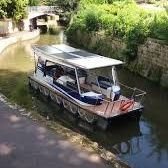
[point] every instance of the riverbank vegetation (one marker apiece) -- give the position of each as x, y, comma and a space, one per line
162, 3
123, 19
15, 9
54, 30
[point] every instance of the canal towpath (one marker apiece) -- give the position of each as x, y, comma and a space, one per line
26, 144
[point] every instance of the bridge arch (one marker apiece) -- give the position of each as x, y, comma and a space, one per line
49, 15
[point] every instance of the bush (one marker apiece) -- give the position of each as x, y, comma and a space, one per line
159, 27
53, 30
123, 19
43, 29
92, 20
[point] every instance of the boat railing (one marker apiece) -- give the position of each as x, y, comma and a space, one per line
110, 108
133, 96
132, 93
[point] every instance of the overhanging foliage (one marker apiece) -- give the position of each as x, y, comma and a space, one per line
122, 19
15, 9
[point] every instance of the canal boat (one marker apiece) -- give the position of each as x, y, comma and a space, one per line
85, 84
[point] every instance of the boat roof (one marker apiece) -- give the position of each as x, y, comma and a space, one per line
75, 57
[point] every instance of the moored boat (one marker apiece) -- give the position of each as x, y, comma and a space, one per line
80, 81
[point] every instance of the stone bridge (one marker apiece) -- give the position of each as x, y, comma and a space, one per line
42, 16
37, 17
35, 11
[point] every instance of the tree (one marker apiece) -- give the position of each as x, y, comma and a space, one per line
52, 2
66, 5
15, 9
3, 5
44, 2
33, 2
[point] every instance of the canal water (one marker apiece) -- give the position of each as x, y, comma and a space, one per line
142, 145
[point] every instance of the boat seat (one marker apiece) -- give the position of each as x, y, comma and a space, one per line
49, 73
92, 97
103, 82
64, 79
49, 70
92, 94
72, 85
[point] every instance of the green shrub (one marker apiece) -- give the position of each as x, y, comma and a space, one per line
159, 27
123, 19
43, 29
92, 20
53, 30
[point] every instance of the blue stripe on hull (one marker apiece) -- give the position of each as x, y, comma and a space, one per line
71, 93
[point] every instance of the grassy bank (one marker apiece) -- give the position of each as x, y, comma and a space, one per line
121, 19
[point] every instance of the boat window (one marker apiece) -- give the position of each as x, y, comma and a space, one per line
72, 85
41, 64
57, 71
41, 61
48, 63
104, 81
50, 68
71, 72
81, 73
65, 76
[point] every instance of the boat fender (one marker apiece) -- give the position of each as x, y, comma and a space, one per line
124, 147
126, 105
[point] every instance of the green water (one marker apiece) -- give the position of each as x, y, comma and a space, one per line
142, 145
16, 62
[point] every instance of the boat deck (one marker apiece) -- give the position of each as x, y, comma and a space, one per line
110, 109
107, 109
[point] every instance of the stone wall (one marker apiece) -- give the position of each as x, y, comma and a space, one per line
153, 60
6, 27
154, 52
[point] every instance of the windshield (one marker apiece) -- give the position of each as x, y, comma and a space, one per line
114, 76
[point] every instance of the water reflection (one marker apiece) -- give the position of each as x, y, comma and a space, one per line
154, 123
118, 139
142, 145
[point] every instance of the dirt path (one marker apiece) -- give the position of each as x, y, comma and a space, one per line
26, 144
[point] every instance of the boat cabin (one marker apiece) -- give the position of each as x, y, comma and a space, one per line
83, 75
86, 84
